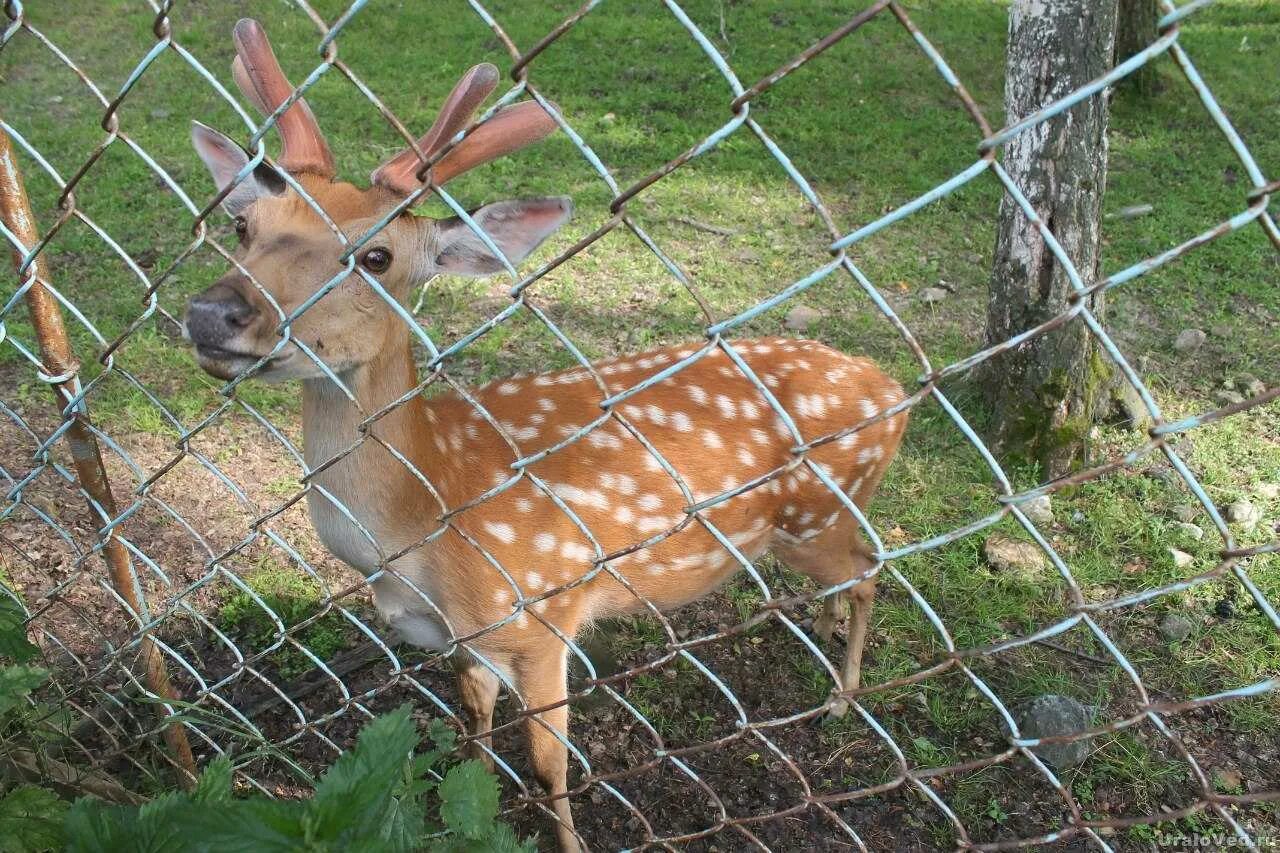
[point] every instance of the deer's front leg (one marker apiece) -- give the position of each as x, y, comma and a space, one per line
478, 688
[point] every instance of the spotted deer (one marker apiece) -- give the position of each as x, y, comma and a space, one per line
388, 464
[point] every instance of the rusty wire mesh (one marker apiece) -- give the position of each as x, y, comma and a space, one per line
234, 700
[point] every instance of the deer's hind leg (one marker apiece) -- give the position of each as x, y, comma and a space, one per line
541, 681
833, 557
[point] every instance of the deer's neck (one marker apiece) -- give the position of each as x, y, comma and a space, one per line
374, 486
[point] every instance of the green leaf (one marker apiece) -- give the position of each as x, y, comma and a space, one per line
356, 799
443, 735
244, 826
215, 782
96, 827
13, 633
16, 682
469, 799
31, 820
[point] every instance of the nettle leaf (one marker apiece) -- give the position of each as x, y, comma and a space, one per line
16, 682
214, 785
93, 826
31, 819
13, 633
469, 799
255, 825
356, 798
443, 735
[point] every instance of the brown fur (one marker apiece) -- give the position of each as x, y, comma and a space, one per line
709, 422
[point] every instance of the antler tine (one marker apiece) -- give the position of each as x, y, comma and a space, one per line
260, 78
400, 172
507, 130
246, 86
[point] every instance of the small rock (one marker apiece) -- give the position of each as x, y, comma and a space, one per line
1133, 211
931, 295
1024, 559
1039, 510
1175, 627
56, 99
1186, 512
1268, 491
802, 317
1194, 531
1127, 408
1228, 780
1245, 514
1228, 398
1190, 340
1051, 715
160, 113
1251, 386
1181, 559
609, 118
1078, 516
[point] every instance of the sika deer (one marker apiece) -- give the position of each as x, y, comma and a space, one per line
416, 459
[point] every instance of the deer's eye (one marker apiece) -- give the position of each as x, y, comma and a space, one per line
376, 260
242, 227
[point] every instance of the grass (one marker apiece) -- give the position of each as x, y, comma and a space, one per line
278, 610
871, 125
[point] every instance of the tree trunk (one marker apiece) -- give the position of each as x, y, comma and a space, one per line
1136, 30
1047, 393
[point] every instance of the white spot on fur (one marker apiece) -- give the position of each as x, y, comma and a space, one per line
501, 531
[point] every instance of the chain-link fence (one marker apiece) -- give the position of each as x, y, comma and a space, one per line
692, 734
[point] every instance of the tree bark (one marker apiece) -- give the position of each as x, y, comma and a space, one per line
1136, 30
1047, 393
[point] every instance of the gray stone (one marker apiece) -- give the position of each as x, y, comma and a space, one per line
160, 113
1051, 715
1011, 556
801, 318
1175, 627
1181, 559
1039, 510
1251, 386
1244, 514
1228, 398
1127, 408
1268, 491
930, 295
1194, 531
1228, 780
1190, 340
1186, 512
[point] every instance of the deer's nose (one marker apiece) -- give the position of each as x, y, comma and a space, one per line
217, 315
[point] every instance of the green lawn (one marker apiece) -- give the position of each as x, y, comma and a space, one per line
872, 126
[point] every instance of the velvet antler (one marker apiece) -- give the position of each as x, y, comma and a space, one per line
507, 130
260, 78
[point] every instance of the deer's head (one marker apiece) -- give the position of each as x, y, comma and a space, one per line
288, 252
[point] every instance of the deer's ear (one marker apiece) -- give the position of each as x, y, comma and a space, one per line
224, 159
515, 227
